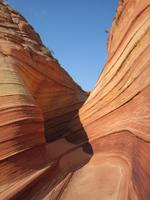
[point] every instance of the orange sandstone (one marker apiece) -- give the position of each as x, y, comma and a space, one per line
55, 144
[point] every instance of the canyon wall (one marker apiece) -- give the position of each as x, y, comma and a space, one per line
37, 100
116, 116
36, 94
55, 146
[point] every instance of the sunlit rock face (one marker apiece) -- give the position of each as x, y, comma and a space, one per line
35, 92
116, 116
55, 144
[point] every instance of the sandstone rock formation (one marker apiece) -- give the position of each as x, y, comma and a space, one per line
55, 147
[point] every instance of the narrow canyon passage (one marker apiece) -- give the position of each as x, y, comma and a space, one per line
57, 140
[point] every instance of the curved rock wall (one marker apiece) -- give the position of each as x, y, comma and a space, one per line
101, 149
116, 116
37, 100
34, 88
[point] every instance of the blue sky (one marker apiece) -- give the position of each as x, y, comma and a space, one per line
74, 30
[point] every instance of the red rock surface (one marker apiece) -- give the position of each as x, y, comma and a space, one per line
98, 150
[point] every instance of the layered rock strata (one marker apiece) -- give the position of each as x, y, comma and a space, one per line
37, 100
36, 94
116, 116
99, 150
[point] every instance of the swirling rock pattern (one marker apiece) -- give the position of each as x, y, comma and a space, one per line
55, 146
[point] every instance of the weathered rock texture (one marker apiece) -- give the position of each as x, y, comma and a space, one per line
33, 88
102, 152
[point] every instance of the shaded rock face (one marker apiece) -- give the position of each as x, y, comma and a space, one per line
55, 146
